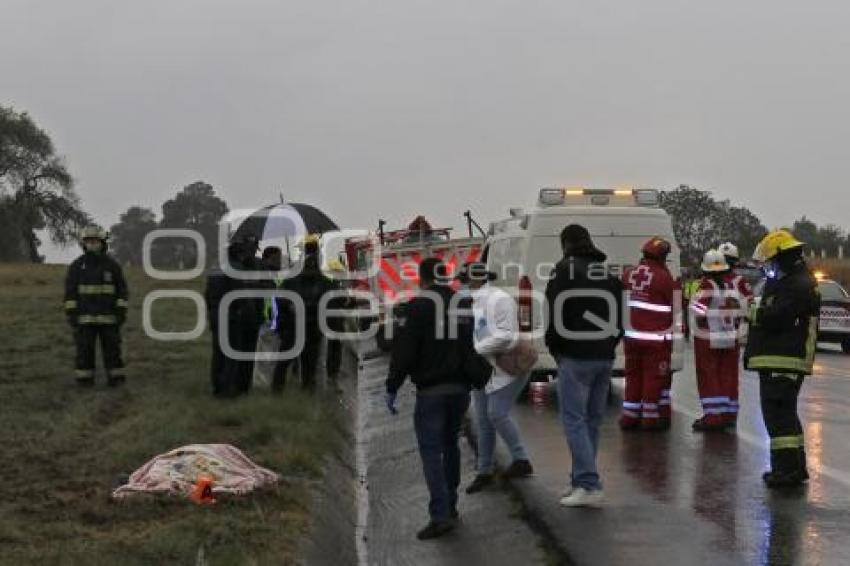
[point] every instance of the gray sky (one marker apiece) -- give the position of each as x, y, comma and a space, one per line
390, 109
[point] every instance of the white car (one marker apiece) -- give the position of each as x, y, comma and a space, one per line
523, 249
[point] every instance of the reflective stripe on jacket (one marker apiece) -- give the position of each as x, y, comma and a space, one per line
95, 289
783, 327
650, 292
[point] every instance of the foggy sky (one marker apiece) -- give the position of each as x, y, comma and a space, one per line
396, 108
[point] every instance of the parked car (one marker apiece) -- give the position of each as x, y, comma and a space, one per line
834, 323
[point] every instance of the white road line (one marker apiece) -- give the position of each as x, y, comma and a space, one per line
362, 463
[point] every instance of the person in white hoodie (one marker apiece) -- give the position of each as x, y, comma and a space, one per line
496, 332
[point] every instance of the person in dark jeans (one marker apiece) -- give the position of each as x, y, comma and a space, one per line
581, 290
427, 351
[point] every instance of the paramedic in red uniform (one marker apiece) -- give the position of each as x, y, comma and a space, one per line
716, 312
651, 291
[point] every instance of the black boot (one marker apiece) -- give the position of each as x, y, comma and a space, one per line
782, 480
785, 469
436, 529
701, 425
804, 471
519, 469
480, 482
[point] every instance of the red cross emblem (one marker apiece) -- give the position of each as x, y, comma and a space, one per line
640, 278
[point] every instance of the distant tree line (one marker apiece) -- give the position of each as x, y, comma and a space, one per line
700, 222
196, 207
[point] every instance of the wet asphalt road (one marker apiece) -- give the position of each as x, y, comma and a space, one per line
693, 498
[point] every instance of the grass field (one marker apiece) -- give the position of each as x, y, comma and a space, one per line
63, 448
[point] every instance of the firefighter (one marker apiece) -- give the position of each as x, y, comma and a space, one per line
716, 310
648, 344
96, 307
781, 347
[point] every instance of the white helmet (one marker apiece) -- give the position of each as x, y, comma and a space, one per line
729, 250
714, 262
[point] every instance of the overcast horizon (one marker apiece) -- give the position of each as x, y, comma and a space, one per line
388, 110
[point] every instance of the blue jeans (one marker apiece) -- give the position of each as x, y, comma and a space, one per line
582, 394
437, 420
493, 415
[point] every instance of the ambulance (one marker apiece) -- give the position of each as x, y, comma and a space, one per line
523, 249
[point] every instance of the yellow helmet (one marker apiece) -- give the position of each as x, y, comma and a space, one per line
775, 242
93, 232
311, 239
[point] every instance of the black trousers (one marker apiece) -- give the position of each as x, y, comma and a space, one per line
86, 337
217, 361
232, 377
779, 392
308, 359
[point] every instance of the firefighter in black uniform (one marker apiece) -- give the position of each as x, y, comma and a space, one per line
96, 307
781, 347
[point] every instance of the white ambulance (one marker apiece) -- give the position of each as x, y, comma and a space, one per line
523, 249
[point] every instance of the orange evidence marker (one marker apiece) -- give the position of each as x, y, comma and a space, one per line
202, 493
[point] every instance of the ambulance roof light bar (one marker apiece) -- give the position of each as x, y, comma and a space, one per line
558, 196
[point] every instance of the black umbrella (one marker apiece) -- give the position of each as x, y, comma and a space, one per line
285, 221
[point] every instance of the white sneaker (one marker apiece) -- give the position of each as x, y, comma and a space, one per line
580, 497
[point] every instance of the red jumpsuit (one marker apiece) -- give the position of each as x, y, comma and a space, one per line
716, 311
745, 297
648, 345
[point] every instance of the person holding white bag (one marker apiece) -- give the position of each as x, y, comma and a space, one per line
497, 338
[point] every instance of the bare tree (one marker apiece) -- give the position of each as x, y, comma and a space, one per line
36, 189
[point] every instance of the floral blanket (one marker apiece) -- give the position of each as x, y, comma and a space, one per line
177, 471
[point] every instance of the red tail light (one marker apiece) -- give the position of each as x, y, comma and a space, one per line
524, 304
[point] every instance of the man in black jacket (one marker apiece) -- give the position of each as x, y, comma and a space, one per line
584, 328
231, 377
311, 284
433, 356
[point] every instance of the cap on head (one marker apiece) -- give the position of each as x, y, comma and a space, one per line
714, 262
774, 244
656, 248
